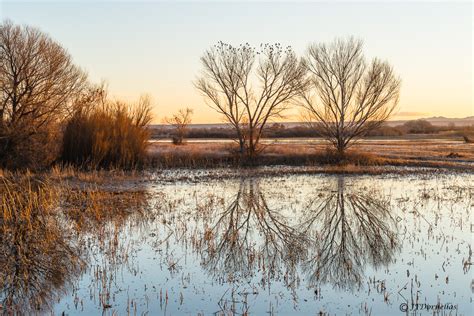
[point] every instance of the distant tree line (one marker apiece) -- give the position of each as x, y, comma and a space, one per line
279, 130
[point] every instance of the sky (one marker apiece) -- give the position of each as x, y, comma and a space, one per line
154, 47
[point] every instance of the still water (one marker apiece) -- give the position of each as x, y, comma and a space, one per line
284, 245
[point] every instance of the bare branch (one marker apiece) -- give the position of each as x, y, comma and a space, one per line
348, 98
250, 88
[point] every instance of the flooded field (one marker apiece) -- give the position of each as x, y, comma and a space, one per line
283, 245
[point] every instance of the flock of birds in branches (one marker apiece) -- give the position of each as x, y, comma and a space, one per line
267, 49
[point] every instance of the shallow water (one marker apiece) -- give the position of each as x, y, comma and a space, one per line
287, 245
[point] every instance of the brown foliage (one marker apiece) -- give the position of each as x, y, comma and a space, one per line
108, 134
39, 83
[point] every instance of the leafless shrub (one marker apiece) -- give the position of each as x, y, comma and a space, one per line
180, 122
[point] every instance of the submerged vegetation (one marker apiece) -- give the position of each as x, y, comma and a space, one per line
109, 246
42, 231
39, 258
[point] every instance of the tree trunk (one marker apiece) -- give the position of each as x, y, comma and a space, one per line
340, 147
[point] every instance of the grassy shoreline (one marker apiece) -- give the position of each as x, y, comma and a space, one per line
365, 155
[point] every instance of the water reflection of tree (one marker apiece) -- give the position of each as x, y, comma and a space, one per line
350, 229
248, 235
101, 217
43, 234
38, 258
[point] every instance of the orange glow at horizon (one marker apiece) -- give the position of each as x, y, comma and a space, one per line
158, 50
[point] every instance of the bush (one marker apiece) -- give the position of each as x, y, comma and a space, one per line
34, 151
111, 135
177, 140
419, 127
386, 130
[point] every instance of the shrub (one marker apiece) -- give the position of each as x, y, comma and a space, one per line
177, 140
113, 134
419, 127
180, 122
35, 151
386, 130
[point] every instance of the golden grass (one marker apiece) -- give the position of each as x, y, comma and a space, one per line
37, 255
91, 208
432, 154
114, 135
42, 220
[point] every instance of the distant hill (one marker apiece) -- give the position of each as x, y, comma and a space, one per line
440, 121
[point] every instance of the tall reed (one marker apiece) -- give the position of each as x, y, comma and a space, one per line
114, 134
38, 257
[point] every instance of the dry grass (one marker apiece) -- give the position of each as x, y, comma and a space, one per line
91, 208
416, 153
191, 155
112, 135
38, 258
42, 220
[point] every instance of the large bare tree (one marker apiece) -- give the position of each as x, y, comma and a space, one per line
250, 87
348, 96
38, 83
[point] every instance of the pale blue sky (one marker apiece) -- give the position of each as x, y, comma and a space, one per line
154, 47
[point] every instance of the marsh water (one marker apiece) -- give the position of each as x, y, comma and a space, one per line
284, 245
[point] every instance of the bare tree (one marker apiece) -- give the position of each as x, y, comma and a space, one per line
348, 97
38, 83
250, 87
180, 122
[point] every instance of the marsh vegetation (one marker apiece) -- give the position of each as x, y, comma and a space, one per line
178, 243
96, 218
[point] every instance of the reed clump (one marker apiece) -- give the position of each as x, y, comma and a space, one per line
109, 135
43, 227
38, 255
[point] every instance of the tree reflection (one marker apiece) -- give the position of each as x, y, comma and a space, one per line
248, 235
349, 230
38, 258
46, 235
